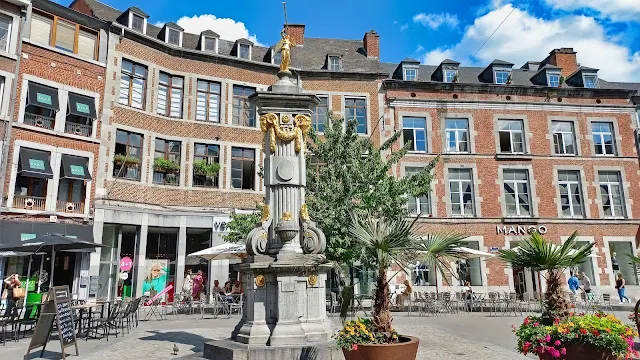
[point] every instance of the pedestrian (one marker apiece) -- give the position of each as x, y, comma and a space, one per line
586, 284
10, 283
467, 293
198, 285
620, 283
574, 284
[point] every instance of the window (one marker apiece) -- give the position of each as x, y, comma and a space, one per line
623, 250
457, 135
334, 63
587, 265
133, 84
553, 80
170, 92
461, 192
72, 185
128, 155
173, 37
244, 51
418, 206
5, 32
209, 44
277, 57
502, 77
244, 113
166, 162
590, 81
204, 156
208, 101
570, 193
516, 192
137, 22
243, 165
34, 170
414, 130
450, 76
64, 35
81, 111
410, 74
603, 140
356, 108
563, 137
510, 134
42, 106
320, 115
611, 194
470, 269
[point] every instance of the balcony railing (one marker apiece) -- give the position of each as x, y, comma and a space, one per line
42, 121
78, 129
70, 207
29, 202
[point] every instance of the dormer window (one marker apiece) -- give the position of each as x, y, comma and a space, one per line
173, 37
450, 76
590, 81
276, 57
209, 44
501, 76
553, 80
137, 22
410, 74
244, 51
334, 63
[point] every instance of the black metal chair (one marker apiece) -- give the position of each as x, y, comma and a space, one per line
28, 318
105, 324
5, 322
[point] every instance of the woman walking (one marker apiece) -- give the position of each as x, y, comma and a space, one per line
10, 283
198, 285
620, 287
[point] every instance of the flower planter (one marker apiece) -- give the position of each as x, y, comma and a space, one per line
406, 349
582, 352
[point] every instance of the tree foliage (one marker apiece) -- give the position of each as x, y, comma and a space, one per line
347, 173
240, 226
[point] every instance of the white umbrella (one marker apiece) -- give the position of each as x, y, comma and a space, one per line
224, 251
468, 253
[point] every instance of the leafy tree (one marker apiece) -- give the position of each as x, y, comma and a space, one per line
240, 226
347, 173
439, 250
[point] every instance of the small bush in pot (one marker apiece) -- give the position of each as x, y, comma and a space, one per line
165, 165
202, 168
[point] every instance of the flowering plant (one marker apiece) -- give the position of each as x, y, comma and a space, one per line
361, 331
605, 332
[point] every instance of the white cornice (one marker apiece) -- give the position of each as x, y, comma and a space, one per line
516, 106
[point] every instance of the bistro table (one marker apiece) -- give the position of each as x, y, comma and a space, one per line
103, 303
81, 308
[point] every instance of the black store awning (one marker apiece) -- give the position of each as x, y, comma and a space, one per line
74, 167
82, 105
43, 96
35, 163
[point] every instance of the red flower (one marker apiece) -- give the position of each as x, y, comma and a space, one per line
583, 332
354, 347
556, 321
595, 333
536, 324
607, 330
526, 321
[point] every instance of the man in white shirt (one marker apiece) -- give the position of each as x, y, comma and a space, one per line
586, 283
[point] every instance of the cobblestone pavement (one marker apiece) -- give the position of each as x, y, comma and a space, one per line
454, 336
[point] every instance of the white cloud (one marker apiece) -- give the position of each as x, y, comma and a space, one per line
434, 21
524, 37
228, 29
404, 27
617, 10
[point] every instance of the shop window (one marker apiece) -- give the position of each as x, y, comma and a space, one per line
571, 201
81, 112
243, 112
206, 165
199, 239
564, 138
619, 252
461, 192
320, 115
161, 254
65, 35
586, 266
418, 206
243, 168
208, 101
128, 155
457, 132
356, 109
611, 194
470, 270
133, 84
414, 130
166, 162
42, 106
516, 192
511, 136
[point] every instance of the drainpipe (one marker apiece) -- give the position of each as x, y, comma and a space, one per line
12, 107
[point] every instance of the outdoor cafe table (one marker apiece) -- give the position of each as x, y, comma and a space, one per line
81, 309
103, 303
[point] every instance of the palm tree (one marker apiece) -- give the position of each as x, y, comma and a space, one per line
538, 254
439, 250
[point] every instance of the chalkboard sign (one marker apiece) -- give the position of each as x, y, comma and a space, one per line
57, 307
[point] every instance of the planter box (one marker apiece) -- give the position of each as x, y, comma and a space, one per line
406, 349
582, 352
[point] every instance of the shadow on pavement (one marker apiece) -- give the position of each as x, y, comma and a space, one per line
178, 337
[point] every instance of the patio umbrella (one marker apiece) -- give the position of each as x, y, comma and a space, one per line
53, 243
224, 251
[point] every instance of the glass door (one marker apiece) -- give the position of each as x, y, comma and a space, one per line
108, 272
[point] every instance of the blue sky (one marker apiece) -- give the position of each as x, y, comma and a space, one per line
605, 33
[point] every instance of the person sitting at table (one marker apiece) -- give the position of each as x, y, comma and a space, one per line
217, 289
227, 287
406, 294
235, 290
467, 294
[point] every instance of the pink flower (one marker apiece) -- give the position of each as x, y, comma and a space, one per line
526, 321
547, 338
555, 353
535, 323
354, 347
557, 343
563, 351
540, 350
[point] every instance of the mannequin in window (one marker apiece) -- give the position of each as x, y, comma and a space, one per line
614, 262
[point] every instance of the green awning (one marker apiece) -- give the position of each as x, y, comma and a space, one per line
82, 105
35, 163
43, 96
74, 167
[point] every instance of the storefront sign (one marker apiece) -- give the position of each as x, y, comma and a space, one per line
220, 224
520, 229
126, 263
25, 237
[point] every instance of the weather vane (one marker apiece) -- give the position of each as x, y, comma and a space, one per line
284, 45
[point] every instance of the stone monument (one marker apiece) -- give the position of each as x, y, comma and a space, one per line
284, 316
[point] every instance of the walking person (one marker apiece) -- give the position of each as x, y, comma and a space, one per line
574, 284
10, 283
620, 283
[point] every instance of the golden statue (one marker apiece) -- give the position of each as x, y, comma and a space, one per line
284, 47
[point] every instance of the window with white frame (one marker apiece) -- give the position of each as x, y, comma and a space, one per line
511, 136
410, 74
334, 63
590, 81
208, 101
133, 84
571, 202
170, 95
166, 162
277, 57
450, 76
173, 37
461, 192
553, 80
356, 108
564, 138
603, 139
320, 115
137, 22
209, 43
517, 194
611, 194
127, 155
206, 165
457, 131
587, 265
5, 32
243, 112
418, 206
414, 130
244, 51
243, 167
502, 76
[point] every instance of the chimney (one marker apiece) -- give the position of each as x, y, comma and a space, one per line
371, 42
564, 58
296, 33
